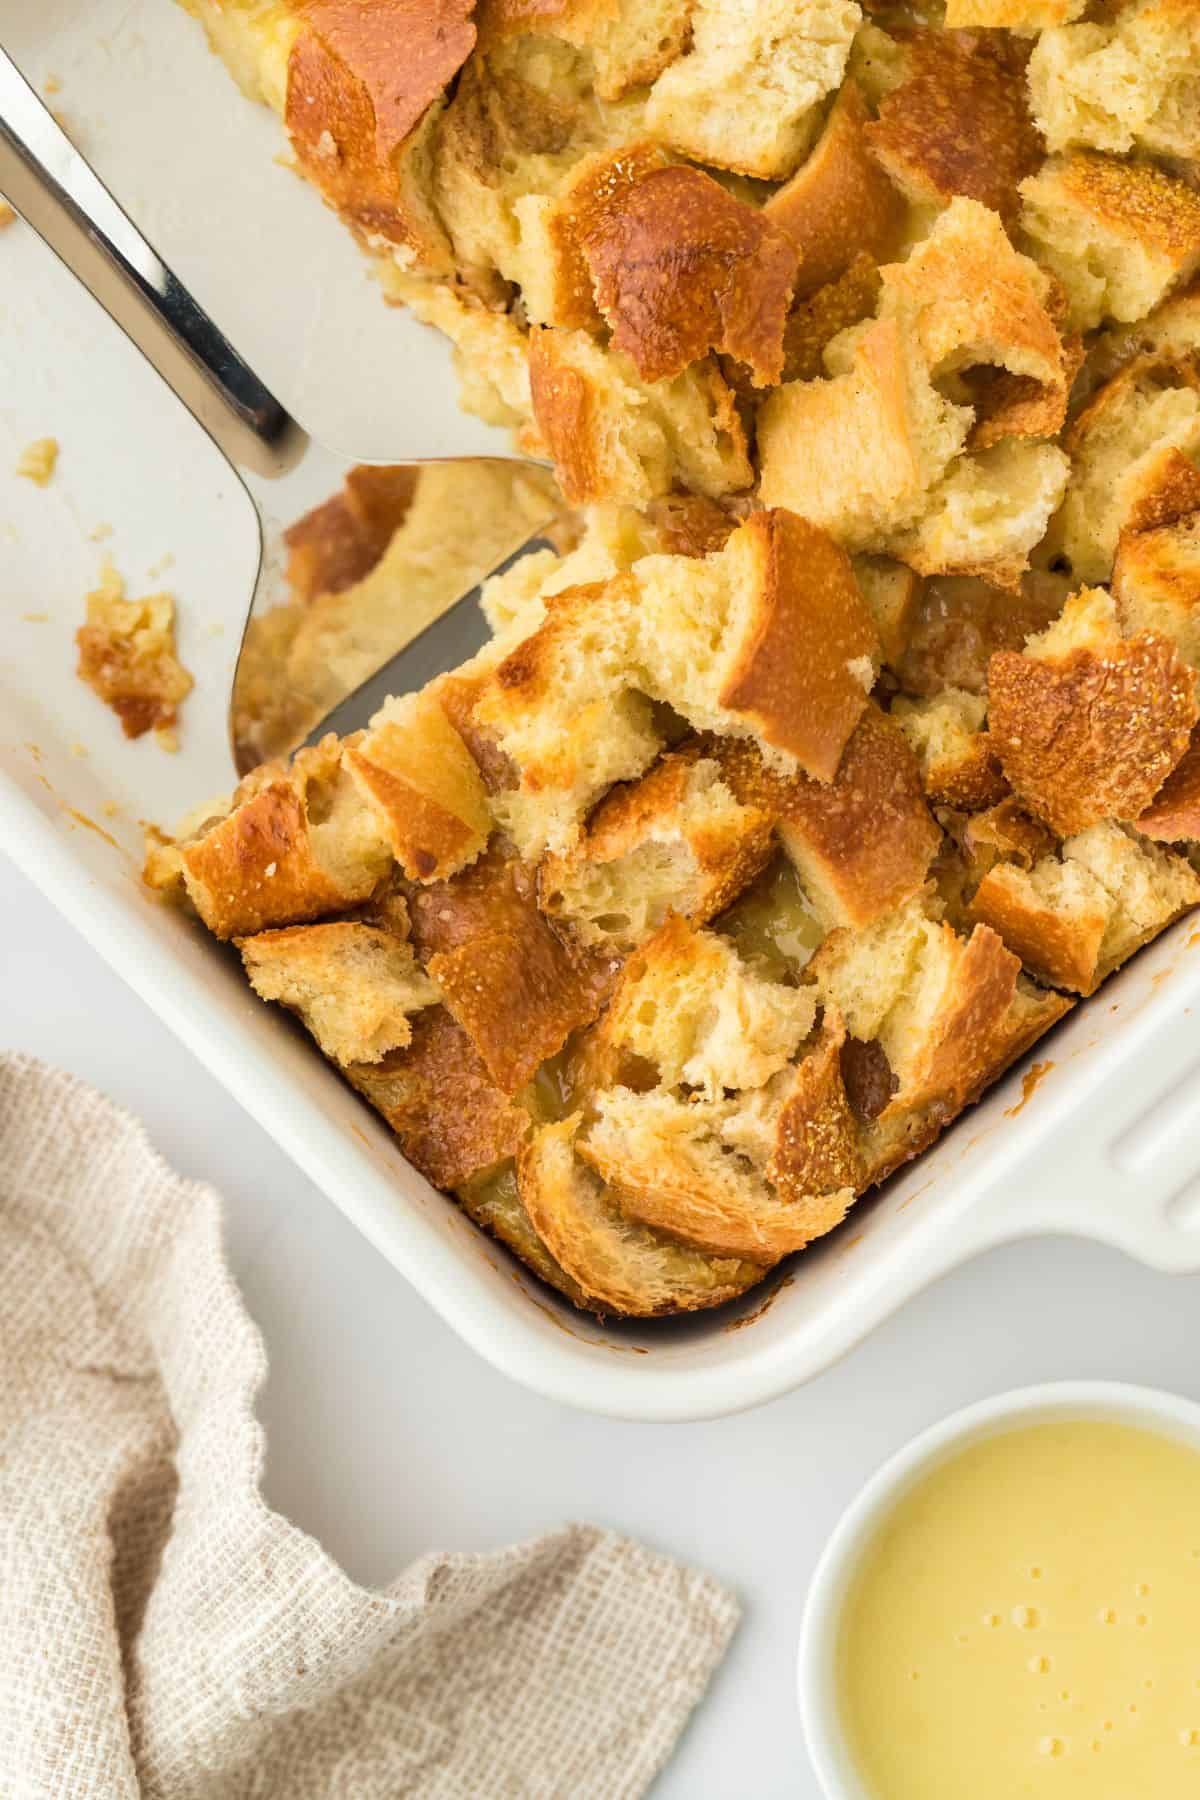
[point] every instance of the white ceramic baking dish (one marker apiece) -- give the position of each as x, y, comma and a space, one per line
1100, 1146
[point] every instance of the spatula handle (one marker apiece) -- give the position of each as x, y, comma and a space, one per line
60, 194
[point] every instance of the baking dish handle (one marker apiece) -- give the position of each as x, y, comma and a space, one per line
60, 195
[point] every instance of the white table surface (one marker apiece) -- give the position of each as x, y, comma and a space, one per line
387, 1436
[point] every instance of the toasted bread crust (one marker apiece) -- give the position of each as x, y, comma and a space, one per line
625, 1268
839, 204
1094, 733
353, 123
794, 679
1173, 816
1058, 947
861, 843
959, 122
817, 1155
681, 267
453, 1123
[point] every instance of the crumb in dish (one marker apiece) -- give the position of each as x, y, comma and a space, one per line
127, 657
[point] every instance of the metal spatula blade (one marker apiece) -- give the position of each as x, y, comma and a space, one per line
286, 474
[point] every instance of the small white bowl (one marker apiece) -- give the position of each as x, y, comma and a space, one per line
1113, 1400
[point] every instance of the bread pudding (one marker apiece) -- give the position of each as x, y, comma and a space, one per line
855, 737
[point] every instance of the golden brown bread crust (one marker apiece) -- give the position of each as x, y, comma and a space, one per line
453, 1123
355, 111
403, 52
813, 322
340, 541
622, 1266
595, 193
514, 986
725, 859
817, 1155
839, 205
1169, 491
1134, 200
423, 787
959, 122
1061, 948
353, 983
1093, 734
260, 865
565, 411
862, 843
794, 682
963, 1042
1173, 816
681, 267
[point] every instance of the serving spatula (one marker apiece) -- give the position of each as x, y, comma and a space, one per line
282, 469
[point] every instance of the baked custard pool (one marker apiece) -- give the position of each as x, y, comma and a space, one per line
1026, 1621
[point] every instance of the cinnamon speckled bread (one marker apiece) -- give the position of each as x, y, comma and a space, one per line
854, 733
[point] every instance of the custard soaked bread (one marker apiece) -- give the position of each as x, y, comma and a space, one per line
857, 734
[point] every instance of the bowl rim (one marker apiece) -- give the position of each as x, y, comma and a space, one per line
1122, 1402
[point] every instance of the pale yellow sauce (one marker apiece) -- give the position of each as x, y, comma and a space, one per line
1027, 1622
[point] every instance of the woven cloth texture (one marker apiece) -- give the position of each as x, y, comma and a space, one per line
164, 1633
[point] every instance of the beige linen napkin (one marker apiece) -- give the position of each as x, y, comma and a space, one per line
163, 1633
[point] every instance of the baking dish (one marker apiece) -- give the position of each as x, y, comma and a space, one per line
1093, 1141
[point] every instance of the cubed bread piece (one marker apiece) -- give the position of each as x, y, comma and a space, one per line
1117, 447
294, 844
627, 42
1127, 82
958, 122
746, 94
814, 322
552, 269
892, 592
562, 709
682, 1167
862, 972
1118, 235
686, 1003
1170, 334
974, 303
901, 1133
364, 87
859, 453
959, 621
958, 765
622, 1266
1148, 886
1088, 724
681, 267
453, 1123
1173, 816
1156, 578
987, 513
861, 843
1053, 916
839, 204
1013, 15
768, 637
936, 1002
421, 783
353, 985
514, 986
614, 437
493, 1202
675, 840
